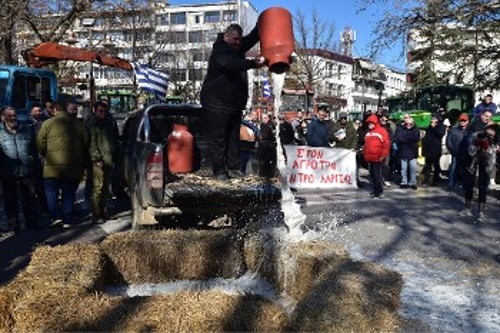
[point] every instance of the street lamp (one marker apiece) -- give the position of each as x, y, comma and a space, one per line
89, 23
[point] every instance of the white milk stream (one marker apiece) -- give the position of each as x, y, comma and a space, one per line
294, 218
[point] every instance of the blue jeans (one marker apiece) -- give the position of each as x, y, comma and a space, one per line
67, 188
412, 165
452, 173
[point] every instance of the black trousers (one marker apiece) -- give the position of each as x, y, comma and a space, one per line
12, 187
267, 161
223, 134
376, 176
468, 181
432, 163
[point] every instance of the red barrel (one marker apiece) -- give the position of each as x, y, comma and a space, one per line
276, 38
180, 150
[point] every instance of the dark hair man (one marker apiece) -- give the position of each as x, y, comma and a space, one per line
63, 142
224, 95
318, 131
486, 104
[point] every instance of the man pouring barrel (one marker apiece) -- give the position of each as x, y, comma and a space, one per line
224, 96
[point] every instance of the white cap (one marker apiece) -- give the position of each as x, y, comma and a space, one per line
446, 122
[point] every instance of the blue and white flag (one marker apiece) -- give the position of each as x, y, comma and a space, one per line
151, 80
266, 88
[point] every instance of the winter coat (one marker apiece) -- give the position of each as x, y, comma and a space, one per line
286, 133
481, 107
477, 125
487, 154
318, 133
377, 142
453, 139
63, 142
103, 136
431, 143
17, 152
406, 140
267, 135
225, 88
351, 139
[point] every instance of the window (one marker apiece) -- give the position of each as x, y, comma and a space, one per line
196, 36
212, 17
230, 16
178, 18
162, 19
19, 92
197, 19
4, 80
196, 74
211, 36
178, 37
200, 55
178, 75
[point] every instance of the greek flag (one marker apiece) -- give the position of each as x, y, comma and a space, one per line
266, 89
151, 80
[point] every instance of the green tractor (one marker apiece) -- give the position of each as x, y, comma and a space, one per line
421, 103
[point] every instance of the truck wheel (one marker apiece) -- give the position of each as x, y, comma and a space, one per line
140, 216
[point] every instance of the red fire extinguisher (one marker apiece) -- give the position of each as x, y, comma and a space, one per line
180, 149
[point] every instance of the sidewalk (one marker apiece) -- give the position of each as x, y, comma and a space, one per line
15, 250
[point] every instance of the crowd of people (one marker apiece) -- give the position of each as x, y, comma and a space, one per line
43, 160
465, 153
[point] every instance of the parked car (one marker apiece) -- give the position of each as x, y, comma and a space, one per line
155, 191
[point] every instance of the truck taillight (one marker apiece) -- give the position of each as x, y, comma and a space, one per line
154, 170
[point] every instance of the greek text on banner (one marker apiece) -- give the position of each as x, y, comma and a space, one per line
311, 167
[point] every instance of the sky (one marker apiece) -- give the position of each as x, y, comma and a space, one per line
343, 13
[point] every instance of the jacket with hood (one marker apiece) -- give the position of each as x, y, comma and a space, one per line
454, 138
377, 142
225, 88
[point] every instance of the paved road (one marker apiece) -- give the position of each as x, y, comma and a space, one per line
450, 264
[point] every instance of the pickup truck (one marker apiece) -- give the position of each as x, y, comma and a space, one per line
155, 192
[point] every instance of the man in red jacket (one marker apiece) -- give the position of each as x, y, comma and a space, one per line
376, 150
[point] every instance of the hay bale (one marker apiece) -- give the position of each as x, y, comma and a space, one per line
291, 267
181, 312
331, 292
352, 297
164, 256
6, 304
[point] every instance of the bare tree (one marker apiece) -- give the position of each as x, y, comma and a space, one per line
457, 39
312, 35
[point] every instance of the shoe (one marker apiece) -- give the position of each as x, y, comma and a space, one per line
236, 174
56, 223
67, 226
480, 217
465, 212
381, 196
98, 220
221, 176
403, 186
413, 187
387, 184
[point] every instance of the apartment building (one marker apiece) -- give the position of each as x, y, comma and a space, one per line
176, 38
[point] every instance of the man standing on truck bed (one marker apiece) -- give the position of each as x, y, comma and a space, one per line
224, 95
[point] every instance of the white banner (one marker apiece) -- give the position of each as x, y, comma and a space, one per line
310, 167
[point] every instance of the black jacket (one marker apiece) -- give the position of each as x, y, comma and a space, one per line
406, 140
318, 133
431, 144
225, 88
286, 133
267, 135
453, 139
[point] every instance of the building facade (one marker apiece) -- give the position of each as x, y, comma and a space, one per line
177, 39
